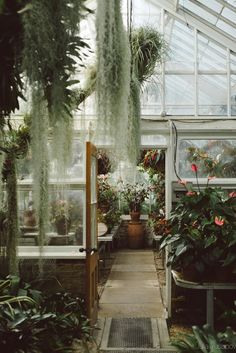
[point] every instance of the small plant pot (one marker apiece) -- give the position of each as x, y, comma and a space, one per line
63, 226
29, 218
135, 216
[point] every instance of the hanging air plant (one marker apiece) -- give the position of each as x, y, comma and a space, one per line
52, 52
148, 48
113, 74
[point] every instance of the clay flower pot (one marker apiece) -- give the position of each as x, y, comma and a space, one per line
63, 225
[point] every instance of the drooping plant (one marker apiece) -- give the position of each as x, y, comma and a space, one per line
113, 74
52, 52
148, 49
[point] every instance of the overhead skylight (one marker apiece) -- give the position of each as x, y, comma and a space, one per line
220, 14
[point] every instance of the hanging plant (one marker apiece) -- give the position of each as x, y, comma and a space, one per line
148, 48
52, 52
113, 74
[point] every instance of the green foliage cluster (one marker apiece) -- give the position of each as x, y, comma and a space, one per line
31, 321
148, 48
11, 45
205, 340
203, 231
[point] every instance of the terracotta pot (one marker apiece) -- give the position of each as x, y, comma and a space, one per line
29, 218
135, 235
135, 216
63, 226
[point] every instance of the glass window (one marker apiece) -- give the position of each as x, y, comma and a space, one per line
211, 56
179, 94
151, 98
66, 218
233, 95
232, 60
212, 95
213, 157
153, 140
180, 38
75, 170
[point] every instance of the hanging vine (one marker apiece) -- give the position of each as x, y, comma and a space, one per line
113, 74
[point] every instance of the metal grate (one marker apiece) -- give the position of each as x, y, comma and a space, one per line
130, 333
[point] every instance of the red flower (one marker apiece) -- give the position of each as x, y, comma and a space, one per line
190, 193
219, 221
194, 167
232, 194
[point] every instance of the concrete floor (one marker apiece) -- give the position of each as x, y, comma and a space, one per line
132, 289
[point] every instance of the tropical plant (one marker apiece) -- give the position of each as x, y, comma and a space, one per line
107, 194
31, 321
104, 163
205, 340
135, 195
203, 230
153, 161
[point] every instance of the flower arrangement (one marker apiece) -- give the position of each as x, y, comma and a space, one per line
203, 229
135, 195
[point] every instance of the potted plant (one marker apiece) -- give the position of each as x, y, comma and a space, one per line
107, 194
135, 195
203, 233
60, 216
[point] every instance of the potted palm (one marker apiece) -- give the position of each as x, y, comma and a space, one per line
135, 195
203, 233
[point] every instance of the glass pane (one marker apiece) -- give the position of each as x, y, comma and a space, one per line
233, 61
75, 170
66, 218
213, 157
179, 94
212, 95
193, 7
153, 140
211, 56
180, 38
151, 99
94, 226
233, 95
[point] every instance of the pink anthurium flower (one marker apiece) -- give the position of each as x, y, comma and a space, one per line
232, 194
194, 167
211, 177
219, 221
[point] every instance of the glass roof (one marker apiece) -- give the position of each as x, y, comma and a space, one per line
220, 14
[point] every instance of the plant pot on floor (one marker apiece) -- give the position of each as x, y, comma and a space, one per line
135, 235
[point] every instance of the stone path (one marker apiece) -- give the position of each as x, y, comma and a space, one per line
131, 307
132, 289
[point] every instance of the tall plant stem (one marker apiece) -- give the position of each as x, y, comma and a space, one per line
12, 217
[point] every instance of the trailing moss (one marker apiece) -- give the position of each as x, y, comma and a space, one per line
113, 74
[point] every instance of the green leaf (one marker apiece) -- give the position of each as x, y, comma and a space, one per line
210, 240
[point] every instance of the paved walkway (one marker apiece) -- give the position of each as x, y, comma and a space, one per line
132, 289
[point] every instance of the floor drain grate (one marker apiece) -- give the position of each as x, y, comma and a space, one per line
131, 333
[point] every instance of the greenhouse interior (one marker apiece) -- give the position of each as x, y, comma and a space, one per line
118, 218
